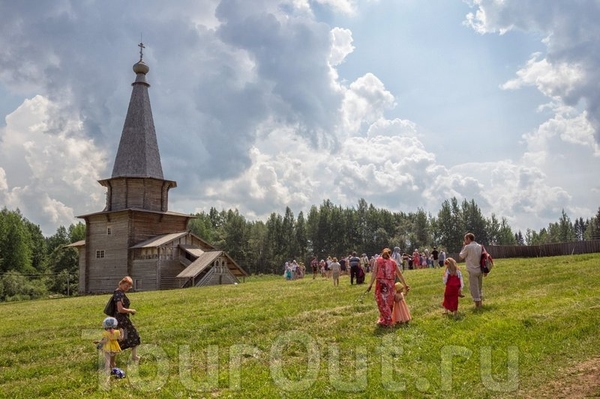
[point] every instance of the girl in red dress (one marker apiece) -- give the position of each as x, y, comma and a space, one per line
454, 285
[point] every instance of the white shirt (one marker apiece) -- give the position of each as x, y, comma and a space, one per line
471, 253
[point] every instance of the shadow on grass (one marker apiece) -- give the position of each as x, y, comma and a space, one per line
454, 317
483, 309
380, 331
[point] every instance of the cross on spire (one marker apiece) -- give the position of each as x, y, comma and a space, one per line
142, 47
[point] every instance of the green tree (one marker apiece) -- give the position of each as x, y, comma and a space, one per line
592, 232
596, 223
77, 232
543, 237
493, 230
580, 227
362, 226
505, 234
566, 231
257, 244
235, 236
381, 238
38, 246
202, 226
420, 227
405, 237
474, 221
218, 220
275, 258
375, 222
554, 233
63, 261
301, 237
58, 239
451, 226
16, 287
324, 237
15, 243
337, 229
288, 241
519, 238
314, 243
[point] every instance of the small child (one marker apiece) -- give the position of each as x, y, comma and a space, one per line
109, 344
454, 284
336, 270
400, 312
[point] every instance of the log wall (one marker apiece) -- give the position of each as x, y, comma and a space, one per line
145, 274
107, 233
146, 225
127, 193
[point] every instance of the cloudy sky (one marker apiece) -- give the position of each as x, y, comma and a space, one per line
263, 104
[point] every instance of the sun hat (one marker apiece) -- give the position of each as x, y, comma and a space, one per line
110, 322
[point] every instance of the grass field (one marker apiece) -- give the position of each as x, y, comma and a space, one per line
306, 338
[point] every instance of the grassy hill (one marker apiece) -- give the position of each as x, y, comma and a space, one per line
306, 338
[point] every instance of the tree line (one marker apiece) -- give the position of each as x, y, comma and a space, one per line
264, 246
33, 266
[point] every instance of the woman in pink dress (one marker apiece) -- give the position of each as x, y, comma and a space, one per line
400, 313
454, 285
384, 272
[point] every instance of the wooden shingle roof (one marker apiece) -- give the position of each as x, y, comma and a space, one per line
138, 154
197, 266
159, 240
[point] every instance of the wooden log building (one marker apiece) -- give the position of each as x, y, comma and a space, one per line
136, 234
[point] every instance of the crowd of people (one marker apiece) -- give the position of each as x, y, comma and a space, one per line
386, 270
420, 260
356, 266
353, 265
294, 270
387, 275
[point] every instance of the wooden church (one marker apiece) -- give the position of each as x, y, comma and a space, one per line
136, 235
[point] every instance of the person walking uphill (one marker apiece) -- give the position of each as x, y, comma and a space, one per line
384, 272
471, 253
131, 338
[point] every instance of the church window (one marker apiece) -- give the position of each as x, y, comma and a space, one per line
100, 254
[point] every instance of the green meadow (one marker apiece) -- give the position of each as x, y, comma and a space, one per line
267, 337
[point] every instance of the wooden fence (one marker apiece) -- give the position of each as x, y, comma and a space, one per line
534, 251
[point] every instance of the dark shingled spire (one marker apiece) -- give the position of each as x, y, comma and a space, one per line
138, 154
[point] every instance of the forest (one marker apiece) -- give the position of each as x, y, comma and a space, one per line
33, 266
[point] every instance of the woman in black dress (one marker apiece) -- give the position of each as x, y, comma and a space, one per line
131, 336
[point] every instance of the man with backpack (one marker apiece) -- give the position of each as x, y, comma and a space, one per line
471, 253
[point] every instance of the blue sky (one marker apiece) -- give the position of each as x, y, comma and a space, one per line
443, 74
272, 103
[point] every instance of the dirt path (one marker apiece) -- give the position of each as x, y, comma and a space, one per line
580, 381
